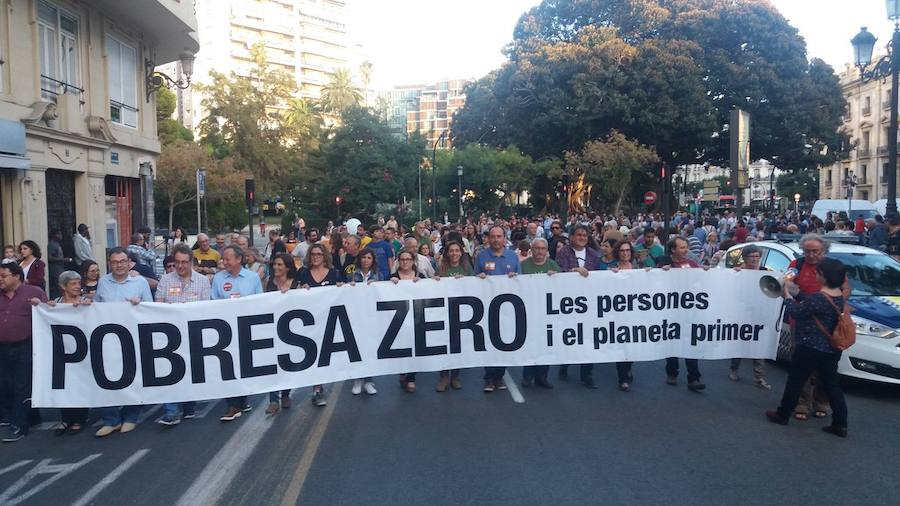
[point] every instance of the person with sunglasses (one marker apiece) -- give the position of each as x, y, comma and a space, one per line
623, 256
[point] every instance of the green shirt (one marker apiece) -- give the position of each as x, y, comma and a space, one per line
529, 267
656, 251
460, 269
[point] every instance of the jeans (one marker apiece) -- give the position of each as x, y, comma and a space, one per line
116, 415
171, 409
494, 373
531, 372
804, 362
693, 369
15, 378
623, 371
277, 396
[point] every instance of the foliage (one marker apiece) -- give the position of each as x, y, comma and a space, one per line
666, 74
165, 104
340, 95
805, 182
609, 165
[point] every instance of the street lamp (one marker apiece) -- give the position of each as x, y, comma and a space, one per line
796, 202
440, 140
564, 203
154, 80
863, 45
459, 174
850, 181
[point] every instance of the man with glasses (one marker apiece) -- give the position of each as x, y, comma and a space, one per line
182, 285
120, 286
207, 257
752, 256
538, 263
556, 235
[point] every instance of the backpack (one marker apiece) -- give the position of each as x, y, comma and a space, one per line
844, 335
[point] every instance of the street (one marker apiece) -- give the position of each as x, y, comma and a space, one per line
655, 445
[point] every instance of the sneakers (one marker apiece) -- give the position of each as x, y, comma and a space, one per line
169, 420
443, 384
107, 430
369, 387
272, 408
357, 387
14, 434
455, 383
733, 375
247, 408
286, 402
671, 380
318, 398
488, 386
500, 384
188, 414
762, 383
231, 414
696, 386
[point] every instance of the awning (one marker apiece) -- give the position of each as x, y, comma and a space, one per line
14, 162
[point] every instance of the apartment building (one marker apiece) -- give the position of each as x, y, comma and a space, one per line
433, 115
78, 141
866, 120
305, 38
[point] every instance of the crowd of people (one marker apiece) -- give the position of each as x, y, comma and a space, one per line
225, 266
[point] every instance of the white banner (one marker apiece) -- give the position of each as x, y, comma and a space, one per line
117, 354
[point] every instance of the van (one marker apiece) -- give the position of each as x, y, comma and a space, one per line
853, 208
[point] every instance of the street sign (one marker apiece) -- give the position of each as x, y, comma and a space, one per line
201, 183
650, 198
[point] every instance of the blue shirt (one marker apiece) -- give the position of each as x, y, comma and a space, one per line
227, 286
383, 252
493, 265
110, 290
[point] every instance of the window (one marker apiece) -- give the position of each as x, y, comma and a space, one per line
58, 41
121, 61
777, 261
828, 177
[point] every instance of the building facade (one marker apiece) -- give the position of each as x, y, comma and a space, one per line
862, 175
304, 38
426, 109
78, 141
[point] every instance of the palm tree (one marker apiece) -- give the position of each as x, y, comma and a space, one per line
340, 94
302, 117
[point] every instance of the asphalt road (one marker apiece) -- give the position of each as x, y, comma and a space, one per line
655, 445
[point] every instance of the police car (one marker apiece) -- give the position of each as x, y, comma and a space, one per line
875, 278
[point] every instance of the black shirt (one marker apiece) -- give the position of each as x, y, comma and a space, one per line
305, 277
272, 287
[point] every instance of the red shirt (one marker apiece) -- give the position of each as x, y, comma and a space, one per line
685, 264
740, 234
806, 279
15, 313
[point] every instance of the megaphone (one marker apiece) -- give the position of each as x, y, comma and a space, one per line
773, 287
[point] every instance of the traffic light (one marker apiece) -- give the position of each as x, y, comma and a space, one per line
250, 191
337, 200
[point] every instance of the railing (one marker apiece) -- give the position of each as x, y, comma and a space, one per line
882, 150
883, 179
863, 153
867, 111
121, 105
66, 87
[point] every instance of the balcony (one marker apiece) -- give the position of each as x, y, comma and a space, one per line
883, 179
867, 110
169, 26
882, 150
863, 153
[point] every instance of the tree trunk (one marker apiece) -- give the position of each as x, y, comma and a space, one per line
171, 214
619, 200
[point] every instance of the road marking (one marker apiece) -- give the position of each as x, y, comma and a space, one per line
292, 494
15, 466
111, 477
44, 467
213, 482
206, 408
148, 414
45, 426
513, 388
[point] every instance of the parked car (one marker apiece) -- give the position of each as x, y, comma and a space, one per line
875, 278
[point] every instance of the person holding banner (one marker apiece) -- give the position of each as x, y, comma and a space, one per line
581, 258
282, 280
496, 260
538, 263
15, 347
234, 282
318, 272
72, 420
365, 271
624, 260
120, 286
183, 285
752, 255
454, 262
679, 252
406, 271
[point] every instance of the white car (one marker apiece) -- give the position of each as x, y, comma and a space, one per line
875, 278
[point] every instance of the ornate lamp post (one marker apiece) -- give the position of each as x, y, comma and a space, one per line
886, 66
459, 175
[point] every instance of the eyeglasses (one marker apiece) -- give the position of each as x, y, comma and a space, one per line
316, 255
813, 252
170, 266
406, 259
118, 262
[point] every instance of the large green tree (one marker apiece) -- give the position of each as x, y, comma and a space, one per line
340, 94
666, 73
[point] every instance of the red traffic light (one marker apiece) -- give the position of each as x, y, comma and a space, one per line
337, 200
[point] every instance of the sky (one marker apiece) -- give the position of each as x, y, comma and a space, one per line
420, 41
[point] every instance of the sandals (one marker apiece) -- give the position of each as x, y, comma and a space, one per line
801, 416
820, 414
75, 428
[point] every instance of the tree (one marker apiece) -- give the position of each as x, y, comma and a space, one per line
610, 164
803, 181
364, 164
666, 74
175, 182
339, 95
365, 73
246, 120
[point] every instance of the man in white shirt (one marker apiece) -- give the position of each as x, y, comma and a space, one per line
83, 249
312, 237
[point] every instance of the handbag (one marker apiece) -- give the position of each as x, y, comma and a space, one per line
844, 334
